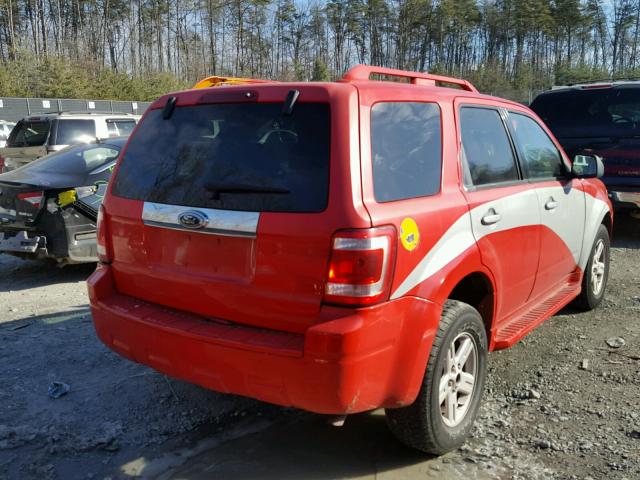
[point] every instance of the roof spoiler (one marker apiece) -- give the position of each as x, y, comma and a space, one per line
361, 73
216, 81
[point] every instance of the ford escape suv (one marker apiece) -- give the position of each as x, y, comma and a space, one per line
340, 247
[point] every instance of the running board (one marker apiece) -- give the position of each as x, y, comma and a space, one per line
520, 325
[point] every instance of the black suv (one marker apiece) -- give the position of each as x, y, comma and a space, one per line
603, 118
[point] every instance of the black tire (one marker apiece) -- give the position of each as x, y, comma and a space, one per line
588, 298
421, 425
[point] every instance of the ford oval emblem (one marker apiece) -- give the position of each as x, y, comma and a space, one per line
193, 219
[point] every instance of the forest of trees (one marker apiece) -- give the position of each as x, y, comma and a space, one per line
141, 48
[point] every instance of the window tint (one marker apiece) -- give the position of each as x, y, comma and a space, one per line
244, 156
72, 132
406, 150
486, 147
29, 134
541, 158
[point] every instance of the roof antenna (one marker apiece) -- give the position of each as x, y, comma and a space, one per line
290, 102
167, 111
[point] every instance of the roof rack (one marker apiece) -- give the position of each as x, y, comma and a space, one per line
604, 81
216, 81
364, 72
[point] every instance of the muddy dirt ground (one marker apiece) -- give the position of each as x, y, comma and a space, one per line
562, 404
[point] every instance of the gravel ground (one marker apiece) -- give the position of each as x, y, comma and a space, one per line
562, 404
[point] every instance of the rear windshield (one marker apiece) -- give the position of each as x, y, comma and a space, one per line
246, 156
80, 159
72, 132
591, 113
29, 134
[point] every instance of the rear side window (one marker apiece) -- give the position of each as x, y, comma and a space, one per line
80, 159
120, 127
406, 150
245, 156
486, 148
29, 134
72, 132
540, 157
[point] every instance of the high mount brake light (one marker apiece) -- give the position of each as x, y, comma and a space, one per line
104, 255
361, 265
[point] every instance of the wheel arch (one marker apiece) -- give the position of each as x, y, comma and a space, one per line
470, 282
477, 289
607, 221
465, 279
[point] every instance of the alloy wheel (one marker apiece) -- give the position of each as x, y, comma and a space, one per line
598, 268
458, 379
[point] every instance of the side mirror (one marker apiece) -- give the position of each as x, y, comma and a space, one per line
587, 166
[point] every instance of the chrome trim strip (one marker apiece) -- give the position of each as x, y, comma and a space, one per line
220, 222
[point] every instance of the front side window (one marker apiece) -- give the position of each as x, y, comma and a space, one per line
487, 152
406, 150
540, 157
72, 132
112, 129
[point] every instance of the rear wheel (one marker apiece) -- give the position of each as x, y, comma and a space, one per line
442, 415
596, 275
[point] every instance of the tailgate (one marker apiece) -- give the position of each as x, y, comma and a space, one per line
223, 209
269, 273
27, 142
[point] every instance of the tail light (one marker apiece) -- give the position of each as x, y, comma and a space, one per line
34, 198
361, 266
1, 164
104, 256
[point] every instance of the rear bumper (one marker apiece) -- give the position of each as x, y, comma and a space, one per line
21, 242
364, 359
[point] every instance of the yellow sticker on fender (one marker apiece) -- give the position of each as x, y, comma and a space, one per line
409, 234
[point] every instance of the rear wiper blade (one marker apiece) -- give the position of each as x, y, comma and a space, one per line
218, 188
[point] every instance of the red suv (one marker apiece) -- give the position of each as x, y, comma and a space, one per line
340, 247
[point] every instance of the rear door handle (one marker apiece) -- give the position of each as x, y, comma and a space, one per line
551, 204
491, 217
